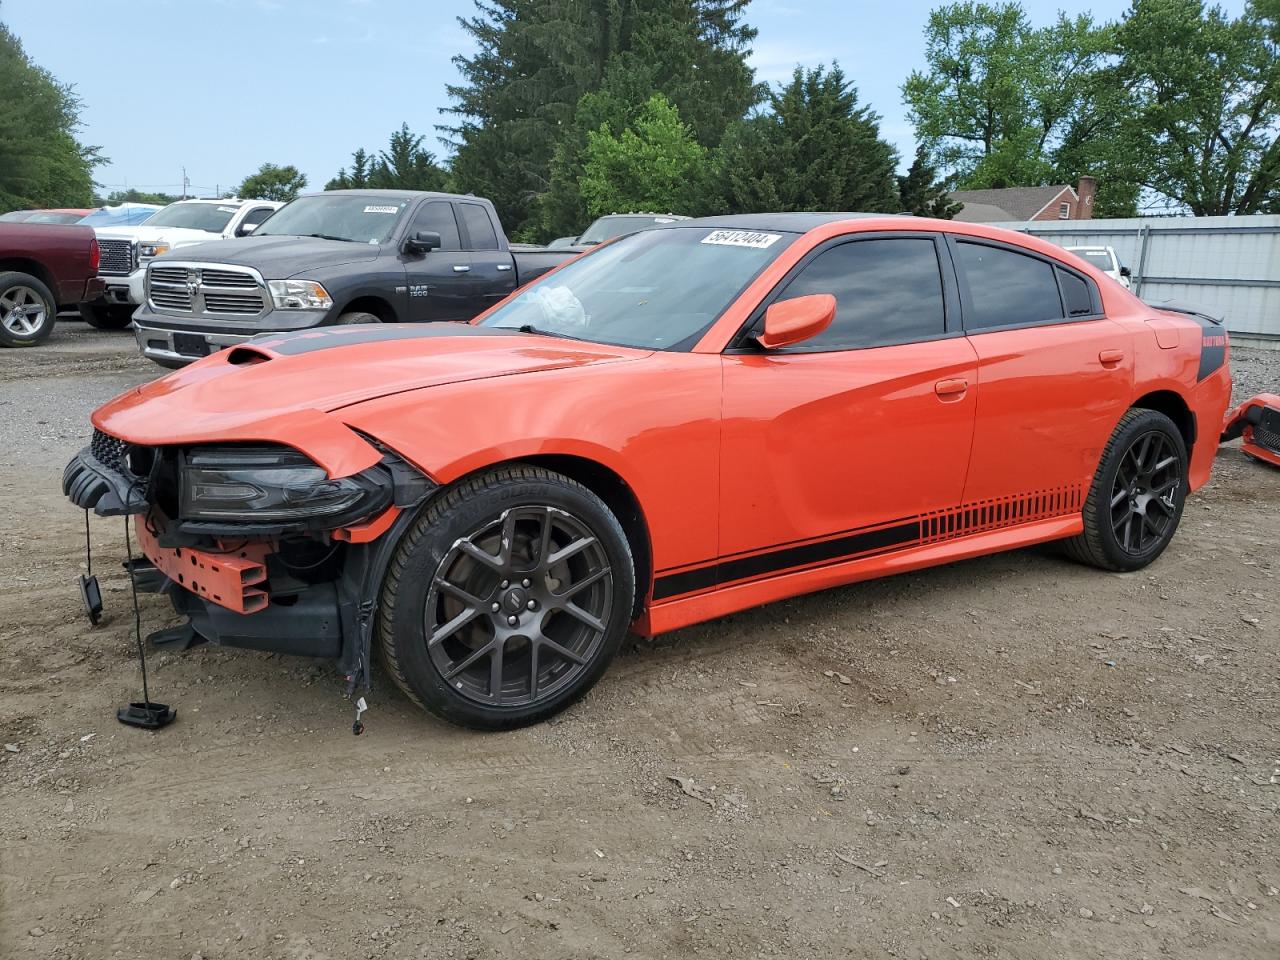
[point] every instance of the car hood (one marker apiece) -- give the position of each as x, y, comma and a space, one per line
282, 388
145, 234
279, 258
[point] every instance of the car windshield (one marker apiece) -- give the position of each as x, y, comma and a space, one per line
18, 216
1101, 257
121, 216
606, 228
659, 289
209, 217
336, 216
52, 216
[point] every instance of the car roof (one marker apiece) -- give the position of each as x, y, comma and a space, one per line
786, 222
392, 194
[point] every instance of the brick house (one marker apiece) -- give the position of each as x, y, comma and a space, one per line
1027, 203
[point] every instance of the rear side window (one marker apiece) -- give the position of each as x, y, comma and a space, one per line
1007, 289
887, 291
257, 215
436, 216
1076, 296
476, 219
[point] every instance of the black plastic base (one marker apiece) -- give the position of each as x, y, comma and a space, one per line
182, 637
91, 597
149, 716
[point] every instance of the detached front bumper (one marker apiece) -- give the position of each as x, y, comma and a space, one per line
96, 479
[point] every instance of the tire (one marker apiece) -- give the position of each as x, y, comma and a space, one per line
27, 310
107, 316
1135, 502
452, 675
356, 316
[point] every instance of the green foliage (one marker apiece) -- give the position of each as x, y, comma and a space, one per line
404, 165
522, 121
815, 149
922, 194
1203, 112
42, 164
273, 183
1000, 98
135, 196
653, 165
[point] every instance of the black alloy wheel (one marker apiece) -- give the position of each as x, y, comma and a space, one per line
1135, 500
518, 608
507, 598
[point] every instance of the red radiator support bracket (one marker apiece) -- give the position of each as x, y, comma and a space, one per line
228, 579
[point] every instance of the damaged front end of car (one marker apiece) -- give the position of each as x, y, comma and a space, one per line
1257, 423
255, 543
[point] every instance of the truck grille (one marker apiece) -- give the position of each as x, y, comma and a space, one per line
199, 291
117, 258
108, 451
1267, 432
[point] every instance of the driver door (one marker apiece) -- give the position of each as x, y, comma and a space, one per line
438, 283
840, 445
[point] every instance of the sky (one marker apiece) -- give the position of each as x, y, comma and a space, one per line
222, 86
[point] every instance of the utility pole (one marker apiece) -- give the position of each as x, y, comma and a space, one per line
185, 183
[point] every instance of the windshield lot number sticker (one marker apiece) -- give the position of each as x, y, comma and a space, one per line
380, 209
741, 238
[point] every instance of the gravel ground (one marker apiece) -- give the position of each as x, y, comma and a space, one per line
1009, 757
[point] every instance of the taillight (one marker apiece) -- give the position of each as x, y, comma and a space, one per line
95, 256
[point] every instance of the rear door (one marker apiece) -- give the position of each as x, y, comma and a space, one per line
493, 274
439, 281
844, 444
1054, 374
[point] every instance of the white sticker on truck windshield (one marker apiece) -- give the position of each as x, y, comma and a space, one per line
380, 209
228, 209
742, 238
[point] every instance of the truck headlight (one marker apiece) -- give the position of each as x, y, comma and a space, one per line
149, 251
274, 485
299, 295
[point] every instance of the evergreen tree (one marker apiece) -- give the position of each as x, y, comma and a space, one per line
921, 193
815, 149
519, 101
404, 165
357, 179
42, 164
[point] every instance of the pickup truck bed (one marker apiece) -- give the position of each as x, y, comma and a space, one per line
43, 266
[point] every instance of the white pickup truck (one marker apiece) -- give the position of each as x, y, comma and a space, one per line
126, 251
1105, 259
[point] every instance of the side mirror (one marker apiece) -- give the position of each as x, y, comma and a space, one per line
792, 321
424, 241
245, 229
1125, 271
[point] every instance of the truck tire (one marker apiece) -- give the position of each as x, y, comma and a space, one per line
27, 310
102, 316
356, 316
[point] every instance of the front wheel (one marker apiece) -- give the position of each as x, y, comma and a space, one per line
27, 310
507, 599
1136, 498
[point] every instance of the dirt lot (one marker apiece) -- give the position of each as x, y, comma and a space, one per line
1011, 757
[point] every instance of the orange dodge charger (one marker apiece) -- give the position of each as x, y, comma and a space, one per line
682, 423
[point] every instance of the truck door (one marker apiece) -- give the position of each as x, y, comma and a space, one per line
493, 271
438, 283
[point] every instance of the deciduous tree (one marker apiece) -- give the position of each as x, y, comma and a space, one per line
273, 183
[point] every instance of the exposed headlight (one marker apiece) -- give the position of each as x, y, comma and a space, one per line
299, 295
274, 485
149, 251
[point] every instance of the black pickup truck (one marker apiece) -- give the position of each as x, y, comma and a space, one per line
343, 256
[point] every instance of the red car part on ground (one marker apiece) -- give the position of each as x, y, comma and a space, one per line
1257, 422
673, 427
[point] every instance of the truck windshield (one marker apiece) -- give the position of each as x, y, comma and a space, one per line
658, 290
209, 217
606, 228
335, 216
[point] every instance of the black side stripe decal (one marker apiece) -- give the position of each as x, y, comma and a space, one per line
760, 564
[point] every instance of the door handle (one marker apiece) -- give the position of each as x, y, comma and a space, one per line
1110, 358
461, 268
951, 389
504, 266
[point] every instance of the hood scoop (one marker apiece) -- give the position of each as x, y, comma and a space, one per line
245, 356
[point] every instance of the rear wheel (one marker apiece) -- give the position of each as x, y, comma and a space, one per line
107, 316
507, 599
27, 310
1136, 499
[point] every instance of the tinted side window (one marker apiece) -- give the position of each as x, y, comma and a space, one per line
257, 215
887, 291
437, 217
1075, 294
1007, 288
480, 228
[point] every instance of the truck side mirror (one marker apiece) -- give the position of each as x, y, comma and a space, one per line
245, 229
1125, 271
424, 241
